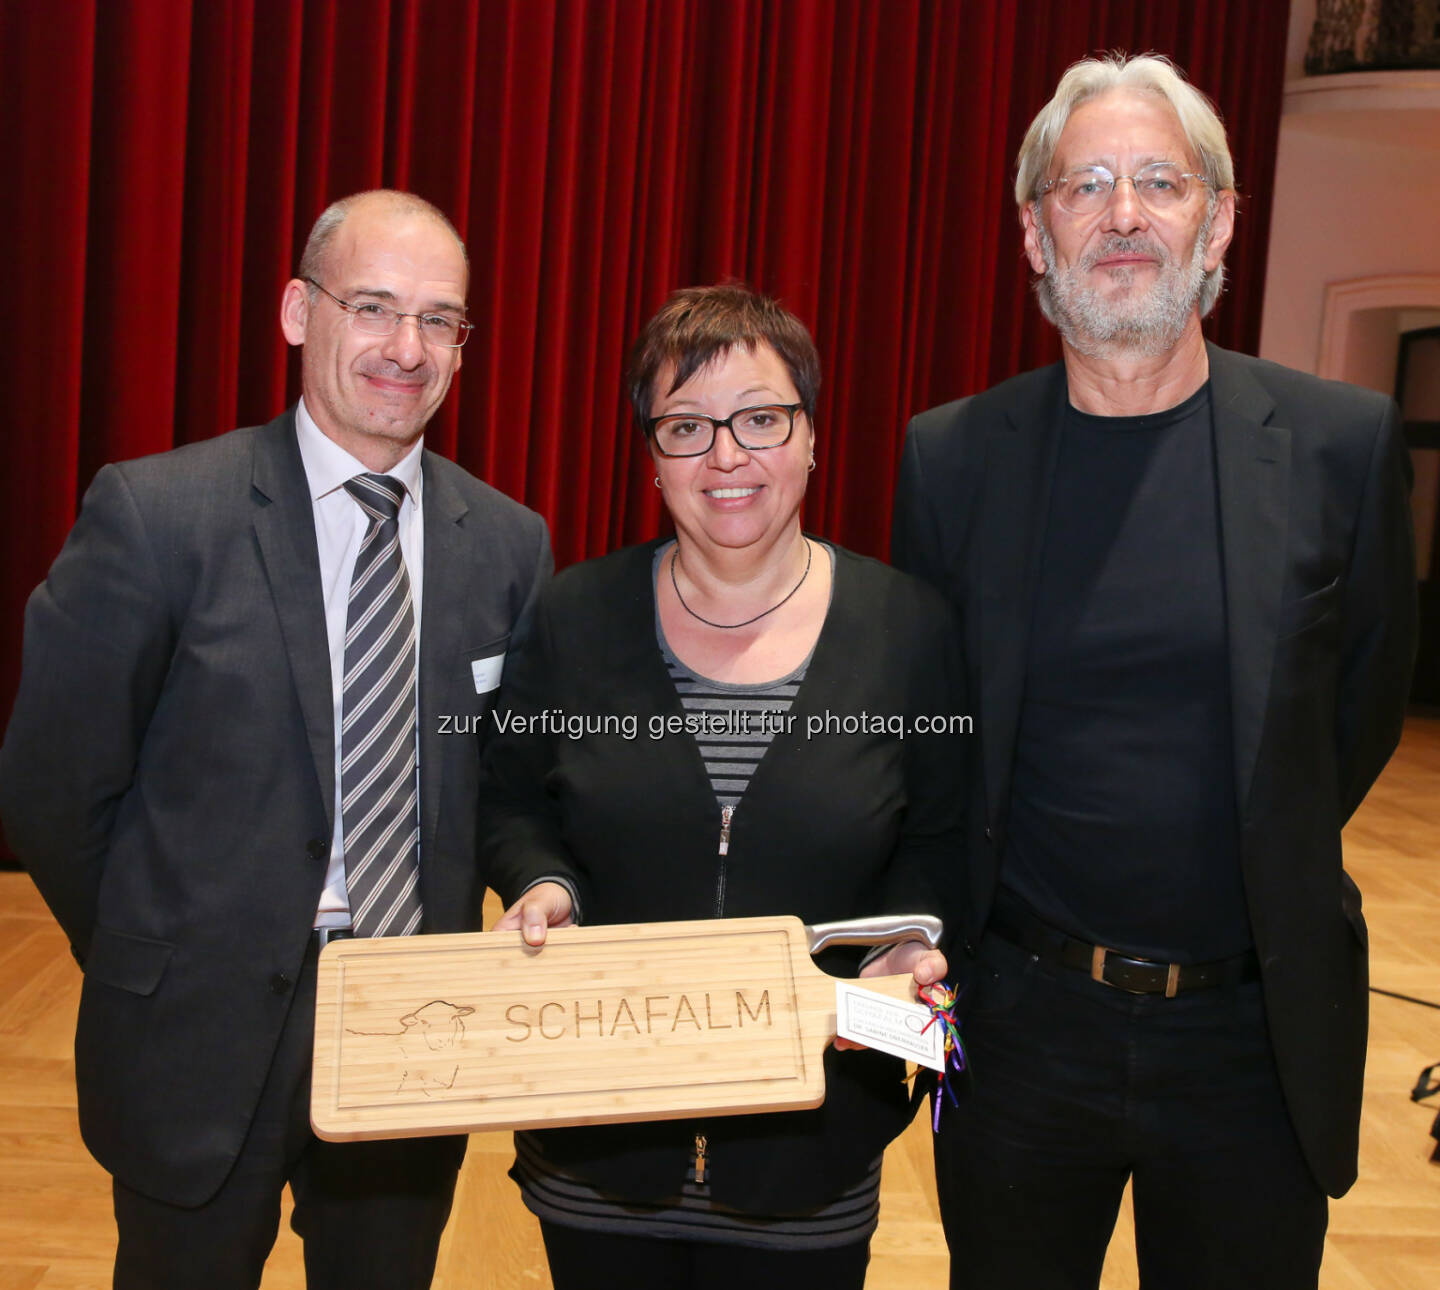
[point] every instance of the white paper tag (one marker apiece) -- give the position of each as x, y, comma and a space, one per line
487, 672
891, 1025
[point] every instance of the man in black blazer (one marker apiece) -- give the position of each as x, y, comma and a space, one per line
1188, 590
172, 775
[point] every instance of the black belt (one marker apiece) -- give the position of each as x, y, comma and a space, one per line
1110, 967
320, 937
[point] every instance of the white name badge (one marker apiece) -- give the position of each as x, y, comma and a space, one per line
891, 1025
487, 672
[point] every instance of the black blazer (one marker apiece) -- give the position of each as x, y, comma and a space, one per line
168, 772
833, 826
1320, 606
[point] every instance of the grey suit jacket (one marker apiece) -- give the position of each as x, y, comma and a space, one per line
1318, 561
168, 773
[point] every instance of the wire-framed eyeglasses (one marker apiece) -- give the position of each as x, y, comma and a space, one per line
375, 319
1159, 187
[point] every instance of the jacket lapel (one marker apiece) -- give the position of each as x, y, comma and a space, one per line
1252, 464
449, 566
1022, 438
285, 531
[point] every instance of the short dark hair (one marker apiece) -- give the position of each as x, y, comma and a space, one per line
696, 325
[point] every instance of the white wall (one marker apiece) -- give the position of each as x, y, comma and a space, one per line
1343, 209
1357, 195
1302, 19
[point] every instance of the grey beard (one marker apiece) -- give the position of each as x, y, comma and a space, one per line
1096, 326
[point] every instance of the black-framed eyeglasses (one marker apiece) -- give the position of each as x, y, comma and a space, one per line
375, 319
1086, 190
692, 434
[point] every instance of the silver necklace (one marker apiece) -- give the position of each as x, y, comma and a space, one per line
675, 559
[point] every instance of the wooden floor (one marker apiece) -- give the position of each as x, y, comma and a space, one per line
56, 1229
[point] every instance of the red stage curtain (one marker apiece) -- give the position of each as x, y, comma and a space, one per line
853, 157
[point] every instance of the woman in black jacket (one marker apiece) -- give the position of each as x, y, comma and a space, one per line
740, 724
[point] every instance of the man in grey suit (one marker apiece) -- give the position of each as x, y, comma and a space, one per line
1187, 583
227, 749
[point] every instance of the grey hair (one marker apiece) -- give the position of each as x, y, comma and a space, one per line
317, 245
1147, 73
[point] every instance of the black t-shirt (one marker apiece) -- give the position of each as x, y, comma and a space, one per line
1123, 827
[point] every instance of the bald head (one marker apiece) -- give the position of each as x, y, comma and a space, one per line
376, 201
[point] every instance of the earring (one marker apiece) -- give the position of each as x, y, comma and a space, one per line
657, 481
812, 462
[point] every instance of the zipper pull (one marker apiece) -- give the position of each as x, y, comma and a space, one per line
700, 1145
725, 816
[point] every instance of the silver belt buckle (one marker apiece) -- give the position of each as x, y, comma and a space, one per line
1097, 973
1097, 964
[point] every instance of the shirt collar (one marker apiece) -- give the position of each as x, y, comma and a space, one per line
328, 465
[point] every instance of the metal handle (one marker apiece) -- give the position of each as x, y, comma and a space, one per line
883, 929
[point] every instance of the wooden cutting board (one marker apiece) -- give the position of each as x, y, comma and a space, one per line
642, 1021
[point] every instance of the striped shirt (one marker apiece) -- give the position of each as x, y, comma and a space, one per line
735, 724
559, 1197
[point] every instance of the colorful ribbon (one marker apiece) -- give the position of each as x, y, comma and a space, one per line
940, 999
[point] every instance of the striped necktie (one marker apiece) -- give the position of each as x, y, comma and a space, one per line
379, 804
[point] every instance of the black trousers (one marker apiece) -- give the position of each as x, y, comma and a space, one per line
370, 1213
582, 1260
1077, 1087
